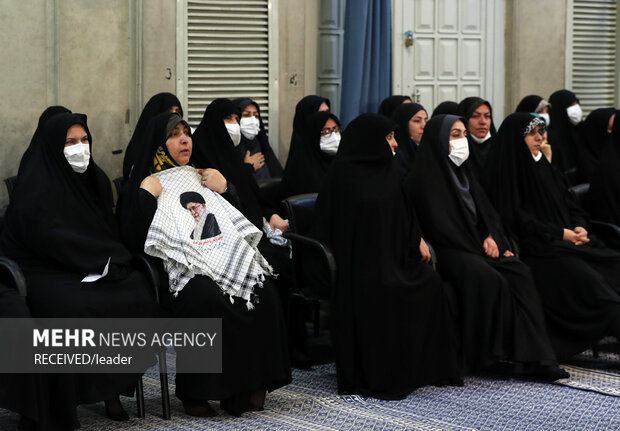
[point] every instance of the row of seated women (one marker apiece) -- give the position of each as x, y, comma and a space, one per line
395, 320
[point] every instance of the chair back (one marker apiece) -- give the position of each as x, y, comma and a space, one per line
271, 191
300, 212
580, 192
10, 183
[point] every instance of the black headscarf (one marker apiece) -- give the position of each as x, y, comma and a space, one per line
271, 161
563, 135
36, 137
60, 218
477, 152
531, 197
389, 104
305, 171
443, 195
593, 138
305, 107
214, 148
604, 195
529, 103
446, 107
157, 104
405, 152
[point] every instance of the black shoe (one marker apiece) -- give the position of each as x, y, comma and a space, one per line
114, 410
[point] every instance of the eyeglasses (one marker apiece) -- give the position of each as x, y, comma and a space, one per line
328, 132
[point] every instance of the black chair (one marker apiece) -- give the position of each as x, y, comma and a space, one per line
300, 213
271, 191
143, 262
609, 232
10, 183
15, 275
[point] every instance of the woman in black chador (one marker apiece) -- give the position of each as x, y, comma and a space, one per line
577, 277
306, 169
161, 102
595, 134
61, 228
254, 355
501, 316
254, 148
392, 327
307, 106
566, 117
478, 115
604, 196
410, 119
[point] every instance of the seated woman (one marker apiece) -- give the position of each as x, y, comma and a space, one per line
305, 171
226, 267
392, 328
577, 277
478, 116
254, 148
410, 119
604, 195
161, 102
500, 314
390, 103
61, 228
595, 135
539, 106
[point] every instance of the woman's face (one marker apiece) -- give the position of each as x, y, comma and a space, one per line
231, 119
175, 109
533, 140
323, 107
480, 121
76, 135
179, 144
250, 111
417, 124
391, 141
330, 127
458, 131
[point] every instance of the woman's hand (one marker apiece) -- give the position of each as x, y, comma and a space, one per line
276, 222
151, 185
213, 180
257, 160
574, 237
424, 251
490, 247
508, 253
582, 234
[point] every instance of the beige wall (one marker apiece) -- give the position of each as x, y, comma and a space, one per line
534, 50
24, 80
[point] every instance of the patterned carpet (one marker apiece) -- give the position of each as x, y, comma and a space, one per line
590, 400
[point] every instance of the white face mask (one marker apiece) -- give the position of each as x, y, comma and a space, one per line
250, 126
460, 151
234, 130
538, 156
78, 156
481, 140
329, 144
545, 116
574, 114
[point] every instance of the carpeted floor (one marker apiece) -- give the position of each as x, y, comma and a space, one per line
590, 400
